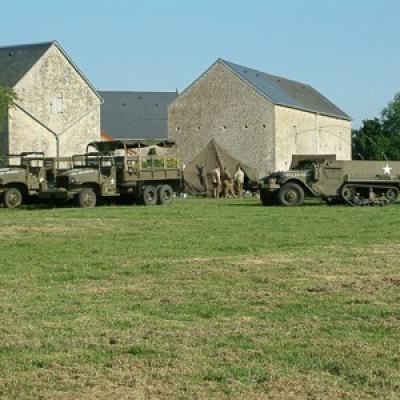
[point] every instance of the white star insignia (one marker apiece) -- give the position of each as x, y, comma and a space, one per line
387, 170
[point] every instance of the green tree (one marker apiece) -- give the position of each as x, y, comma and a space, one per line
7, 96
379, 138
390, 120
370, 142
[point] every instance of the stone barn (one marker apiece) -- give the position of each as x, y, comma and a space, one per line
261, 119
135, 115
57, 110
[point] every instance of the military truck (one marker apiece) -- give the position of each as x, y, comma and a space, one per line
25, 175
138, 171
356, 183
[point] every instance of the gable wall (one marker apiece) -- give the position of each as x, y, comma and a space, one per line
219, 106
300, 132
78, 124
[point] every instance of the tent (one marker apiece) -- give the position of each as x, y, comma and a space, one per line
203, 164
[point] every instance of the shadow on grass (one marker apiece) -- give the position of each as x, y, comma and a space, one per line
275, 205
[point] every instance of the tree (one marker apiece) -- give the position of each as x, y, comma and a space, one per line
369, 142
390, 119
7, 97
379, 138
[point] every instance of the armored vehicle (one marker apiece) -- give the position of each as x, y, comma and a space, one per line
24, 175
141, 171
353, 182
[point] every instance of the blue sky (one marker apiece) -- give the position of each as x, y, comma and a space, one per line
348, 50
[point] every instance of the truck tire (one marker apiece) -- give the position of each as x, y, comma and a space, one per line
149, 196
12, 198
291, 194
165, 195
87, 198
267, 198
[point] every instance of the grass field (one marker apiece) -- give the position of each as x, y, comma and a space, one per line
204, 299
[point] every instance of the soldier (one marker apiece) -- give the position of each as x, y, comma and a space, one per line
216, 182
203, 178
239, 180
227, 184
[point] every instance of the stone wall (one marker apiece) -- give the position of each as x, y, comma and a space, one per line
300, 132
220, 106
54, 95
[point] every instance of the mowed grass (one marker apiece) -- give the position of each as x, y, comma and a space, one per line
203, 299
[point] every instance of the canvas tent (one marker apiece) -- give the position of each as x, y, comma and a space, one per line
211, 156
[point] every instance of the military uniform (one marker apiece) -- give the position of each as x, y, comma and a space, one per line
239, 181
227, 185
216, 182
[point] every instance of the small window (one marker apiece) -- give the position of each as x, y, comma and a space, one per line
264, 126
177, 128
198, 128
224, 127
57, 104
246, 126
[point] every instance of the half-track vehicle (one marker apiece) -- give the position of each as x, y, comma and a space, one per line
24, 176
137, 171
356, 183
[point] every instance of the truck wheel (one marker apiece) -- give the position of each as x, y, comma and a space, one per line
267, 198
87, 198
165, 195
12, 198
149, 196
291, 194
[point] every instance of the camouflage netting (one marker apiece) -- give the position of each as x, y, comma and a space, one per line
211, 156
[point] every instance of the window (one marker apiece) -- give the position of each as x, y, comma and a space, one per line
57, 104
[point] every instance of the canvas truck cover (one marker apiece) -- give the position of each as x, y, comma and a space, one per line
298, 159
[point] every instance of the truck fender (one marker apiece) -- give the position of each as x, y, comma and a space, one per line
307, 189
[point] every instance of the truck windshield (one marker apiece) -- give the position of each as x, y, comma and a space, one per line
92, 161
85, 161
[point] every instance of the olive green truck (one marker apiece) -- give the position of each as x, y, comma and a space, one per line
135, 171
356, 183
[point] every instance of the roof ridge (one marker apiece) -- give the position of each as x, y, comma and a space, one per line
285, 92
263, 72
49, 43
136, 91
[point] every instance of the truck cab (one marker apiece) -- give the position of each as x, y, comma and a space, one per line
22, 176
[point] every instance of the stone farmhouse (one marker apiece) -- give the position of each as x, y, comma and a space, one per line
261, 119
57, 110
135, 115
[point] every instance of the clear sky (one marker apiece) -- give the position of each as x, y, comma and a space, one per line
347, 49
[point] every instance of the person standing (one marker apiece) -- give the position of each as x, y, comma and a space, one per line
239, 180
203, 178
227, 187
216, 182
